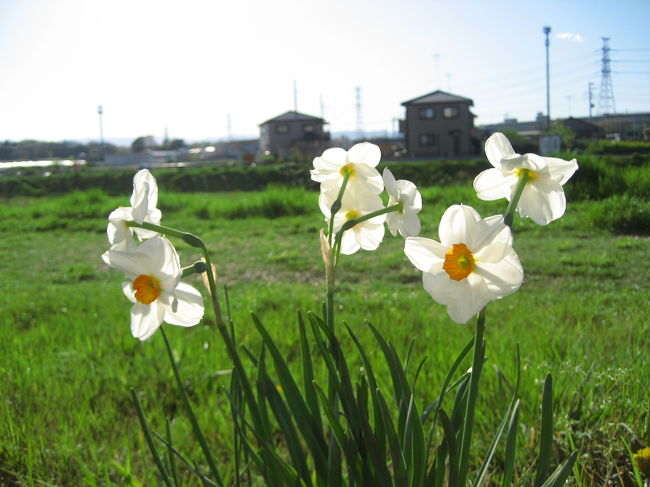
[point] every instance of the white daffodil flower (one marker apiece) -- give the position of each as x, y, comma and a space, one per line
543, 197
359, 162
405, 220
143, 209
154, 287
366, 235
474, 262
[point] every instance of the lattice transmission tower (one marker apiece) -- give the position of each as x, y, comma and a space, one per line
360, 134
606, 103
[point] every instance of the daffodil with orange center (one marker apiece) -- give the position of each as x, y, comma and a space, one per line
474, 262
154, 287
542, 199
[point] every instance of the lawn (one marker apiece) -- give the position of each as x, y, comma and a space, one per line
67, 358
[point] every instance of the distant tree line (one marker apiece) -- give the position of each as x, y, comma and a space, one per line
30, 150
37, 150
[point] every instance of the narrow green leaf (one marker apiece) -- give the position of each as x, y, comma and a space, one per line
206, 481
336, 427
472, 396
170, 454
147, 435
452, 446
399, 463
310, 428
292, 440
308, 374
561, 473
511, 448
546, 435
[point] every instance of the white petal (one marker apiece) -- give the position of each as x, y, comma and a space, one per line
189, 306
457, 225
364, 153
145, 194
497, 147
331, 160
393, 222
370, 235
127, 289
560, 170
410, 225
165, 260
349, 243
503, 277
366, 179
389, 183
130, 262
145, 319
542, 202
492, 184
424, 253
409, 195
471, 298
488, 232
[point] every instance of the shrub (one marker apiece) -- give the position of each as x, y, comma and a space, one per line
621, 214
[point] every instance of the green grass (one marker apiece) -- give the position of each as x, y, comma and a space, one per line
67, 359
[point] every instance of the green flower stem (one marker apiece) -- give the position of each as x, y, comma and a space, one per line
188, 238
477, 364
336, 206
355, 221
508, 216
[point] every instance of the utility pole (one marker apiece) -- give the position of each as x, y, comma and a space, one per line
295, 96
547, 31
229, 127
100, 112
591, 102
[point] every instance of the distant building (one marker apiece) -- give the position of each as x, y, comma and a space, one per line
582, 128
285, 134
438, 124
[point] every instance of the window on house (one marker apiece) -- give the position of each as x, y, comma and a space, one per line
282, 128
427, 139
427, 113
450, 112
308, 129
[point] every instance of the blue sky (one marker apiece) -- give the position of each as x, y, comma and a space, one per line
185, 66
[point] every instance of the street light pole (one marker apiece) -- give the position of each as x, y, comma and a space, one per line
100, 112
547, 31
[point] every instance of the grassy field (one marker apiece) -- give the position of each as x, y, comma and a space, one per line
67, 359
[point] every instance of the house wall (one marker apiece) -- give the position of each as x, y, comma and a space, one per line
279, 137
451, 135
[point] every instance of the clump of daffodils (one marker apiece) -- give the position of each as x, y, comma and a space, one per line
150, 263
350, 189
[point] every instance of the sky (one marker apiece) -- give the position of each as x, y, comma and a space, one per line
210, 70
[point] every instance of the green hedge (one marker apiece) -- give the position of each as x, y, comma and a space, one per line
240, 178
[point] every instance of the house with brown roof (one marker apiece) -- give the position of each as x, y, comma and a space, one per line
290, 132
438, 124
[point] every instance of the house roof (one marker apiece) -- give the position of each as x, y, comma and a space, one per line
291, 116
579, 124
438, 96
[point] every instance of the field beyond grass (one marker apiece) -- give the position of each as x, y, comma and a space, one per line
67, 358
